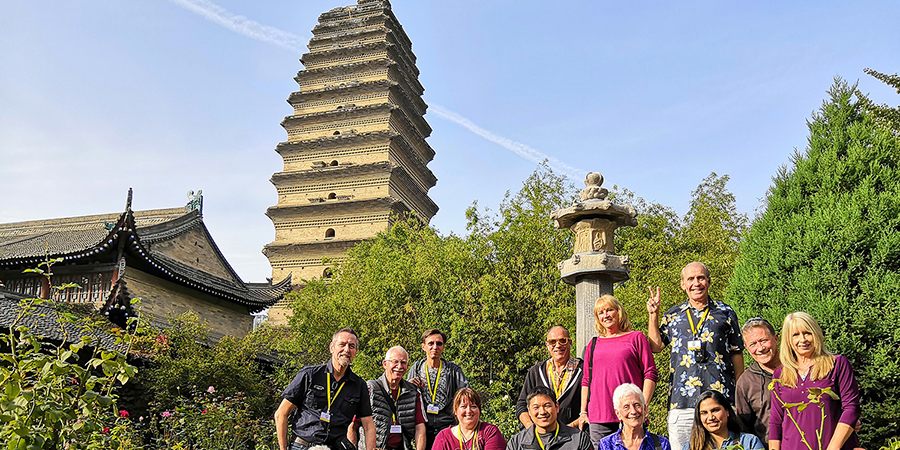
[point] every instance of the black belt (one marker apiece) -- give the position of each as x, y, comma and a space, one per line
302, 442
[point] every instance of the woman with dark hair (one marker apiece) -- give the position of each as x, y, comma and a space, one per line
470, 433
807, 366
617, 356
717, 426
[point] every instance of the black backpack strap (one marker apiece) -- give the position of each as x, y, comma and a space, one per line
590, 368
656, 444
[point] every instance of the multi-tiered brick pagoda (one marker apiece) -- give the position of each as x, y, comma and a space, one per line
356, 154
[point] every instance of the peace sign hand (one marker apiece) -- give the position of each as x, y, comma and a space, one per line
653, 302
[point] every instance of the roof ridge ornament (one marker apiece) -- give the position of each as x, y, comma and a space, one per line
195, 201
128, 200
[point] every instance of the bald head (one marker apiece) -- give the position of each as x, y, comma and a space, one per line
396, 352
695, 264
558, 330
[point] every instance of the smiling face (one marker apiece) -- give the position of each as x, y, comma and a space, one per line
714, 417
467, 414
803, 342
631, 411
433, 346
559, 344
543, 411
343, 349
395, 363
608, 317
762, 346
695, 282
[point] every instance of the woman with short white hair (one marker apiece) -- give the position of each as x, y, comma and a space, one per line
631, 409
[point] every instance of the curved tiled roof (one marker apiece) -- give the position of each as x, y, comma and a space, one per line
41, 321
30, 243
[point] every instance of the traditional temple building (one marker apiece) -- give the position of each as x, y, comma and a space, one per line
166, 257
356, 156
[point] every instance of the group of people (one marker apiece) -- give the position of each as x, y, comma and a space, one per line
600, 401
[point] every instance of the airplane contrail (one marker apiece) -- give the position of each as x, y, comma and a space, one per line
242, 25
518, 148
290, 41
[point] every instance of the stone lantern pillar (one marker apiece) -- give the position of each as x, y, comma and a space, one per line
594, 267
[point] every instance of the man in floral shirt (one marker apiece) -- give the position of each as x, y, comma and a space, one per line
706, 348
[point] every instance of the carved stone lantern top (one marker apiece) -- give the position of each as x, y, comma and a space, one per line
594, 204
593, 191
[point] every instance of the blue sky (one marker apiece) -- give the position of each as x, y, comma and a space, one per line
100, 95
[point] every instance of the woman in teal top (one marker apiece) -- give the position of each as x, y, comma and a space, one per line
717, 426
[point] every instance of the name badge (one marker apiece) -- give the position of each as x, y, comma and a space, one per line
694, 345
432, 409
325, 416
395, 429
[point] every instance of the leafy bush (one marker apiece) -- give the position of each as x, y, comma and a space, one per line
60, 395
208, 420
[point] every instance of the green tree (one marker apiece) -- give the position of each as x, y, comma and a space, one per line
884, 114
828, 243
183, 363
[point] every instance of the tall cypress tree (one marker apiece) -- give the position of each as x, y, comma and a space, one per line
828, 243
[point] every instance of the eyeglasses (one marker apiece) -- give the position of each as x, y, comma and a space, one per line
560, 341
395, 362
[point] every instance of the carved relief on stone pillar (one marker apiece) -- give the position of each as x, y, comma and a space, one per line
594, 235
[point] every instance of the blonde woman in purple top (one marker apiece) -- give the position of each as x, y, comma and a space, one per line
618, 356
807, 364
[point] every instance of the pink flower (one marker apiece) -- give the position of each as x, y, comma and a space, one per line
123, 413
203, 412
210, 389
105, 430
166, 414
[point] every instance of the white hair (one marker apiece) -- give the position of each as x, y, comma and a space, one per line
626, 390
396, 347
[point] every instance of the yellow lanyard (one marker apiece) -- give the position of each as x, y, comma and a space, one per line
396, 404
474, 437
328, 390
536, 435
557, 386
691, 320
436, 379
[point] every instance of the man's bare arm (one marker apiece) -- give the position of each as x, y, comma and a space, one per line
421, 438
368, 425
282, 428
737, 359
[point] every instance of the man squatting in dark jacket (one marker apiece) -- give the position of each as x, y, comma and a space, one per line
546, 431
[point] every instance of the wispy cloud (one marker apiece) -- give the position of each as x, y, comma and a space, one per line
255, 30
516, 147
242, 25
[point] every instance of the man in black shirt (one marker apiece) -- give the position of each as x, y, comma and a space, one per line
325, 398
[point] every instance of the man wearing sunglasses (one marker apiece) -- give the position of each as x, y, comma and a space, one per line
562, 375
437, 380
396, 407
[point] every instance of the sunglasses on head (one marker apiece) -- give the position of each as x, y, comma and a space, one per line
560, 341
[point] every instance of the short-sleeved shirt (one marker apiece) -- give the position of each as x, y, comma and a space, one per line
308, 392
721, 337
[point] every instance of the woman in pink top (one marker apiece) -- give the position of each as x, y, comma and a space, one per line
470, 433
618, 356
